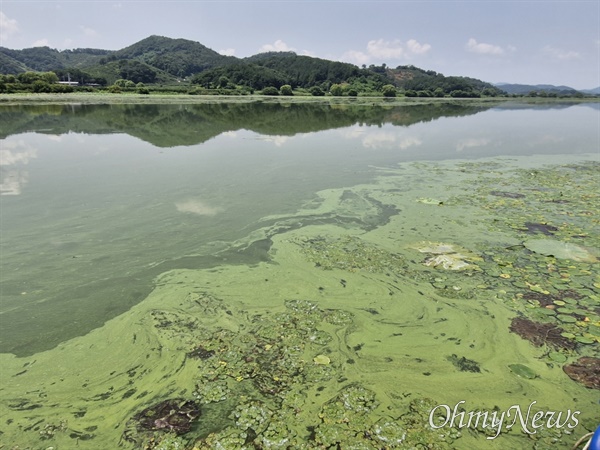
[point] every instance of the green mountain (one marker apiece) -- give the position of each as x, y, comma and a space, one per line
159, 59
178, 57
10, 65
154, 59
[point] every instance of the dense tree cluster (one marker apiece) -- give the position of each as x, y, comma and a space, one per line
32, 82
137, 71
305, 71
248, 75
79, 76
299, 72
428, 83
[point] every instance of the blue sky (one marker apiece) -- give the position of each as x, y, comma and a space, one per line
532, 42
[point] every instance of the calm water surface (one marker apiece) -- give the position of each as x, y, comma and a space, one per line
100, 200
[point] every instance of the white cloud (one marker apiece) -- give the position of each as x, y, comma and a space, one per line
385, 49
416, 48
382, 50
40, 43
277, 46
8, 27
559, 54
227, 51
484, 49
87, 31
356, 57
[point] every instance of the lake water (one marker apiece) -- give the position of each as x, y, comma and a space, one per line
288, 270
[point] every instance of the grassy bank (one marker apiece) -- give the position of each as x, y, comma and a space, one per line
133, 98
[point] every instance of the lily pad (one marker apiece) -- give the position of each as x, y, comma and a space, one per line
560, 250
557, 357
322, 360
584, 340
522, 371
566, 319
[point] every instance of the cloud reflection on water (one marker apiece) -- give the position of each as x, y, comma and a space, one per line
197, 207
14, 153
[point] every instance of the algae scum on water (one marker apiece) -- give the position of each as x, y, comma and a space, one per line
438, 283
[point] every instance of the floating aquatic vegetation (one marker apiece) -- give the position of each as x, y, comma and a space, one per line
437, 248
446, 256
544, 228
453, 261
201, 353
541, 333
419, 433
389, 432
430, 201
322, 360
463, 364
169, 416
586, 370
252, 418
548, 299
557, 357
351, 402
560, 250
522, 371
352, 254
50, 429
507, 194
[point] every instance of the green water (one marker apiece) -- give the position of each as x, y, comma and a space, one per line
272, 234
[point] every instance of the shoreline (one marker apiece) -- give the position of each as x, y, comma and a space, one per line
133, 98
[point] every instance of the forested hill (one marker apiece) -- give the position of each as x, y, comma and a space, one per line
162, 60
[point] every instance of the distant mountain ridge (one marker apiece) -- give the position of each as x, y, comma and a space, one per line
159, 59
524, 89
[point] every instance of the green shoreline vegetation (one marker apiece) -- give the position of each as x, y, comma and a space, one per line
353, 330
169, 97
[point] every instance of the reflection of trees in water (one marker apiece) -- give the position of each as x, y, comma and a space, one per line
188, 124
